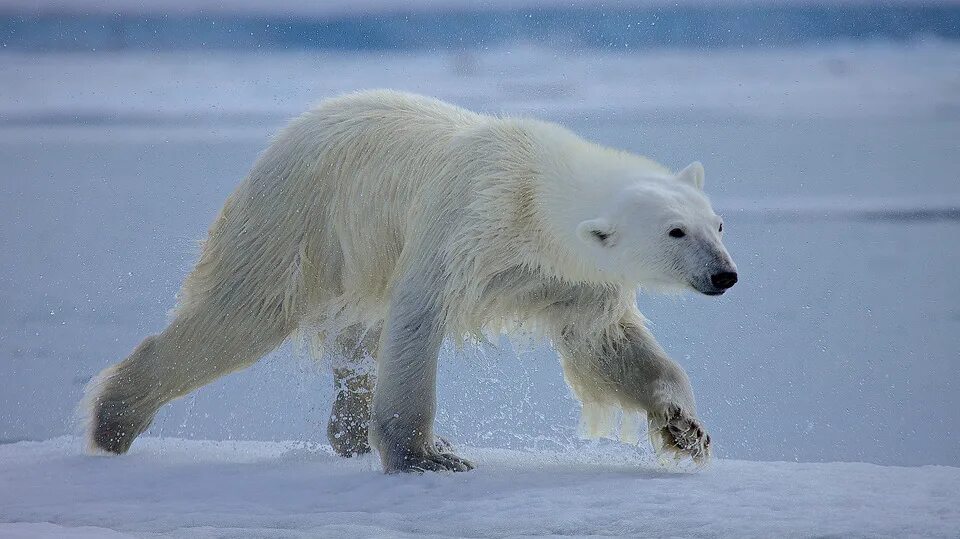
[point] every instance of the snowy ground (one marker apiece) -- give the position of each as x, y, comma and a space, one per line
913, 80
180, 488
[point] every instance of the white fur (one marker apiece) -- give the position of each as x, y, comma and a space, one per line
383, 208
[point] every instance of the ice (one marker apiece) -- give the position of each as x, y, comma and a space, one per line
179, 488
879, 80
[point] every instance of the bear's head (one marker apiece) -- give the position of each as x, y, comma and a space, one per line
659, 231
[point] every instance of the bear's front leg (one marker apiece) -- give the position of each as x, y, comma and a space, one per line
625, 366
404, 400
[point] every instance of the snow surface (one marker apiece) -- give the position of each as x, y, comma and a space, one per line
846, 81
181, 488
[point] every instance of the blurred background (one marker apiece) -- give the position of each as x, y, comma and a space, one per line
830, 132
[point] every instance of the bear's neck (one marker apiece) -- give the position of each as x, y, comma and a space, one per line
579, 180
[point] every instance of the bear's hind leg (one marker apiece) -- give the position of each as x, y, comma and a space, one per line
197, 348
354, 378
354, 374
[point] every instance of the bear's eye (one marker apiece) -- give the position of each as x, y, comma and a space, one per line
721, 228
677, 233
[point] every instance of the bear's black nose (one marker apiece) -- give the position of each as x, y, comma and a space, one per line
724, 279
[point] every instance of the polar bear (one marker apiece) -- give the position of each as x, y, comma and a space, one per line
382, 223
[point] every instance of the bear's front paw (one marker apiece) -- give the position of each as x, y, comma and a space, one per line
676, 433
427, 462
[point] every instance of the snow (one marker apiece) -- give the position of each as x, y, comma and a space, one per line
840, 81
188, 488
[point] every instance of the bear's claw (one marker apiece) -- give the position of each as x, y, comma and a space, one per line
437, 462
677, 433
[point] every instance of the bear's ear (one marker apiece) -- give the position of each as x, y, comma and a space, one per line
597, 232
693, 175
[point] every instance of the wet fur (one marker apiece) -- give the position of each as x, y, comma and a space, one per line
387, 210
